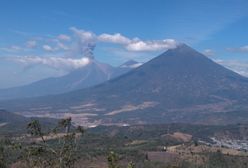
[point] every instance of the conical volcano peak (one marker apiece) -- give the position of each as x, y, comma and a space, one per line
180, 82
183, 48
184, 61
183, 51
183, 45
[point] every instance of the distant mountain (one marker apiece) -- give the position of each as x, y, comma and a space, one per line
180, 85
12, 123
90, 75
131, 64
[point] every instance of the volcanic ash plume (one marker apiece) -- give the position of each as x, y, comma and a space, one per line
86, 43
86, 49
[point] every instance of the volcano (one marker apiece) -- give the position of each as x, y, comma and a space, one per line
180, 85
90, 75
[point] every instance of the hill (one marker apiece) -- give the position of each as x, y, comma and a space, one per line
11, 123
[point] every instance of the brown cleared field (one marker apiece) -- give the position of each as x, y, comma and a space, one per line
185, 149
166, 157
198, 155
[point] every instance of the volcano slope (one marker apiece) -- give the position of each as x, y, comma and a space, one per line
180, 85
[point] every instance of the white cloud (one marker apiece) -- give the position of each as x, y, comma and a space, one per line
240, 67
16, 48
81, 44
47, 48
84, 35
245, 48
64, 37
31, 44
115, 38
136, 44
12, 49
85, 43
239, 49
209, 52
151, 45
53, 62
61, 46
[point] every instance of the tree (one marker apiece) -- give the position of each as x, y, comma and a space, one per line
2, 156
131, 165
57, 152
113, 160
217, 160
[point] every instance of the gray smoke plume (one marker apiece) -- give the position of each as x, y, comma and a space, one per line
86, 48
85, 43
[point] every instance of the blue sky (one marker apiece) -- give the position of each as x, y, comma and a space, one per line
46, 38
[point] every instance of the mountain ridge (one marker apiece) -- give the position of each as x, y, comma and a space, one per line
90, 75
180, 85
